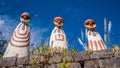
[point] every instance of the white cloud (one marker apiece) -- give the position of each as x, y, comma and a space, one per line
1, 22
8, 24
37, 35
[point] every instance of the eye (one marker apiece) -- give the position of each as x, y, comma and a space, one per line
25, 16
87, 23
92, 24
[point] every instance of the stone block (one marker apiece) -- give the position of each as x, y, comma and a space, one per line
31, 59
35, 66
117, 54
75, 65
102, 63
101, 54
12, 67
68, 57
22, 61
113, 63
55, 59
0, 62
9, 61
81, 56
37, 59
91, 64
53, 66
42, 59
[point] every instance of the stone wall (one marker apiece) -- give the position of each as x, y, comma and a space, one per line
99, 59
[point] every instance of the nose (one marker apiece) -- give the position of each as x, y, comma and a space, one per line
59, 22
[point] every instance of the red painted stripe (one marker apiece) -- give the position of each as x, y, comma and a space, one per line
90, 33
27, 35
103, 44
94, 33
100, 44
19, 46
91, 45
22, 40
96, 45
22, 34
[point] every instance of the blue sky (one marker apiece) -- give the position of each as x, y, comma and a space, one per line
74, 12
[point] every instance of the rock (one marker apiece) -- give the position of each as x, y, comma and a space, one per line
91, 64
75, 65
53, 66
0, 62
28, 66
106, 54
35, 66
9, 61
102, 63
22, 60
101, 54
117, 54
113, 63
42, 59
21, 66
31, 61
81, 56
68, 57
12, 67
55, 59
37, 59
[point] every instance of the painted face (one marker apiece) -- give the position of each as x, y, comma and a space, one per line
58, 21
90, 24
25, 17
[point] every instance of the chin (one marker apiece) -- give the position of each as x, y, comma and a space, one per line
24, 21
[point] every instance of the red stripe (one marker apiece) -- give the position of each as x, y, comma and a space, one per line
22, 40
96, 45
103, 44
19, 46
90, 33
91, 45
100, 44
22, 34
28, 33
94, 33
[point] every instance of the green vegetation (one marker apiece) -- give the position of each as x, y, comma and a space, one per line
115, 48
1, 55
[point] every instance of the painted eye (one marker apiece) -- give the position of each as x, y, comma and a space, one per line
25, 16
87, 23
92, 24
